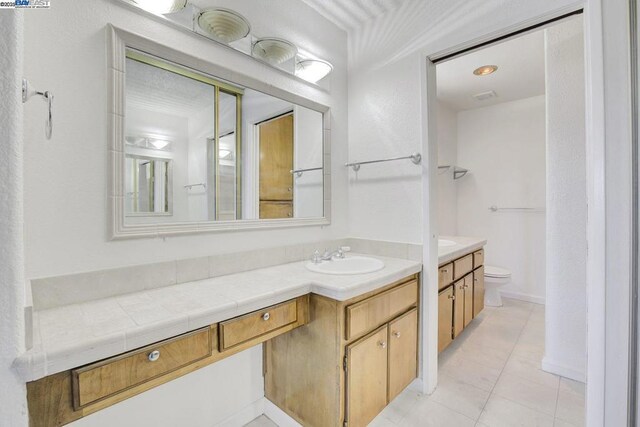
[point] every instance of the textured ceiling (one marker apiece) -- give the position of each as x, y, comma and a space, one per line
351, 14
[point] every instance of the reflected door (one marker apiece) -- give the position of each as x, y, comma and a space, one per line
276, 163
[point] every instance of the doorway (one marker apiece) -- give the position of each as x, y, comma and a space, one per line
502, 137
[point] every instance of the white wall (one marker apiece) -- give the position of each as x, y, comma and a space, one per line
503, 146
447, 156
384, 109
66, 178
566, 233
13, 405
308, 153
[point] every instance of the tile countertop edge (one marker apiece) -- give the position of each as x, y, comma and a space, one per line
38, 363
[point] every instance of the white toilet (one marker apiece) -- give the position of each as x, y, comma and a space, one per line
494, 278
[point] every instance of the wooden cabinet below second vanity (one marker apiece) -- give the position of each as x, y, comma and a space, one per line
461, 295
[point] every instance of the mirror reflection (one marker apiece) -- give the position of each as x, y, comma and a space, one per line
201, 149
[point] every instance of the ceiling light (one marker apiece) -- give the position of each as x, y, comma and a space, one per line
161, 6
313, 70
273, 50
159, 143
485, 70
224, 25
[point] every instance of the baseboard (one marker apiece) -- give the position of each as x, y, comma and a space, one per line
563, 370
278, 416
523, 297
245, 416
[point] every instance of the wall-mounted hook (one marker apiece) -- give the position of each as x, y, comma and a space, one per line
27, 93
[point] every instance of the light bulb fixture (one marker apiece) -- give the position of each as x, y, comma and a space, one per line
224, 25
274, 50
313, 70
159, 144
485, 70
161, 6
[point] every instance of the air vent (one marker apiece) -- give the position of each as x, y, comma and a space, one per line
483, 96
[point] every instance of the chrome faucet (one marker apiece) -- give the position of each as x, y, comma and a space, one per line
328, 255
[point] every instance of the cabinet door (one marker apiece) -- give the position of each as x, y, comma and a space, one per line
403, 352
478, 291
445, 318
458, 307
367, 378
468, 299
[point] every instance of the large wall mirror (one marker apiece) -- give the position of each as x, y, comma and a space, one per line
201, 153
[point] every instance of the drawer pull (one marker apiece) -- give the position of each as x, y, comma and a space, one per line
396, 334
266, 316
382, 344
154, 355
475, 280
444, 270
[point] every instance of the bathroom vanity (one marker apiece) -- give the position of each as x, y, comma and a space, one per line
460, 286
338, 348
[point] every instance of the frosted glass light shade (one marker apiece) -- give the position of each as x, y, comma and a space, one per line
224, 25
313, 70
273, 50
161, 6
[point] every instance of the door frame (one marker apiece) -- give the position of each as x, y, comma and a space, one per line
599, 343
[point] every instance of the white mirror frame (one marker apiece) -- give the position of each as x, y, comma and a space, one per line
119, 40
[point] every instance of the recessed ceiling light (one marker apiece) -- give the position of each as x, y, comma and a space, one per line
313, 70
485, 70
224, 25
273, 50
161, 6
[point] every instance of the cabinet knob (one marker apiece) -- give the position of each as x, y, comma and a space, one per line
289, 189
451, 297
154, 355
382, 344
475, 280
266, 316
466, 286
444, 270
396, 334
289, 214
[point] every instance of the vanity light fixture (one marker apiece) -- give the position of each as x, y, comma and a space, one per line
159, 143
161, 6
485, 70
313, 70
223, 154
273, 50
223, 25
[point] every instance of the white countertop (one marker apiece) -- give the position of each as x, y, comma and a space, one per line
463, 246
74, 335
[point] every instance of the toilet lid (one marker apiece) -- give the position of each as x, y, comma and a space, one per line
493, 271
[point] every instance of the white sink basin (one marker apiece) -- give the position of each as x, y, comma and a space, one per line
443, 243
351, 265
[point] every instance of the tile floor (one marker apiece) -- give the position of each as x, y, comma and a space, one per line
490, 376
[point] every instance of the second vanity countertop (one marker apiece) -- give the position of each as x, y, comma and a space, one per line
74, 335
463, 245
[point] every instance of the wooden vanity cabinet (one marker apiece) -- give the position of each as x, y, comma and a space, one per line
478, 291
349, 361
445, 318
459, 301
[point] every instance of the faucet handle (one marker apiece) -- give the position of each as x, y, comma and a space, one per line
315, 258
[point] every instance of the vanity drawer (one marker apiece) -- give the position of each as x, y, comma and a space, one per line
366, 315
100, 380
244, 328
478, 258
445, 276
462, 266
